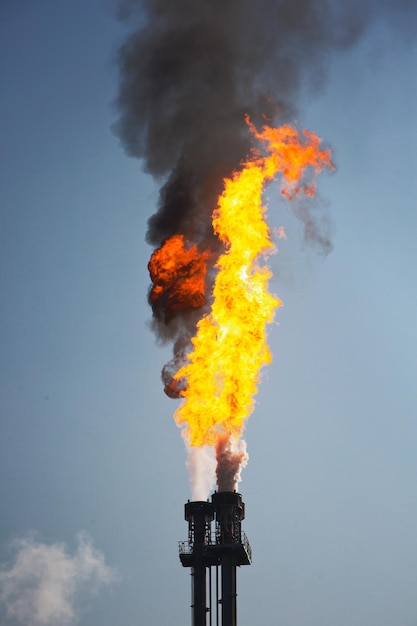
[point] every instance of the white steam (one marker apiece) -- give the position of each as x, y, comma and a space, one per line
42, 584
201, 464
221, 465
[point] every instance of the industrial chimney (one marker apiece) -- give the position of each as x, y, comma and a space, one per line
225, 550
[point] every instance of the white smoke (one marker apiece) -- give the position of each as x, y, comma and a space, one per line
201, 464
42, 584
222, 465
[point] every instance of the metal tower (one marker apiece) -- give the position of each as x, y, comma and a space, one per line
225, 550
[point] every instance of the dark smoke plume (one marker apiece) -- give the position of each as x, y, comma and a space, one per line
189, 72
231, 458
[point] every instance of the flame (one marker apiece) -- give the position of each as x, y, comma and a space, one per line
220, 379
178, 272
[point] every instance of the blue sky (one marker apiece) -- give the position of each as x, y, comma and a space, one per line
87, 439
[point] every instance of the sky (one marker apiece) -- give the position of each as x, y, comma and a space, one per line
92, 466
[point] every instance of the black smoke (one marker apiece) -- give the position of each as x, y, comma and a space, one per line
189, 72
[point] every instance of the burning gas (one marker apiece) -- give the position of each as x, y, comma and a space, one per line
178, 273
189, 72
218, 378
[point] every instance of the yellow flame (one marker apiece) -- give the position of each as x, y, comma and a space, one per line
230, 346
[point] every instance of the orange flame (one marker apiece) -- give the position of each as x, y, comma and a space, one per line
230, 347
179, 274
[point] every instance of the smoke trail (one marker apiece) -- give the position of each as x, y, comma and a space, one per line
188, 75
42, 585
201, 465
231, 459
189, 72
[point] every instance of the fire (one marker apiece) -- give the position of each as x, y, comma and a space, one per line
220, 379
178, 272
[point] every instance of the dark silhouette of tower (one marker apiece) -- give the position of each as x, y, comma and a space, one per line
224, 550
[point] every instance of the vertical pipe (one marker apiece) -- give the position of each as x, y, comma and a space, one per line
199, 516
217, 596
230, 511
210, 600
229, 612
199, 595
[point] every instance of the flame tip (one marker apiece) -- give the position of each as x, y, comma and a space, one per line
218, 379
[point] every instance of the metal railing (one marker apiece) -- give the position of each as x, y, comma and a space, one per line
186, 547
245, 541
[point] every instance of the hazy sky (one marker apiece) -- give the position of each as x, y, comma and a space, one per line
92, 465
